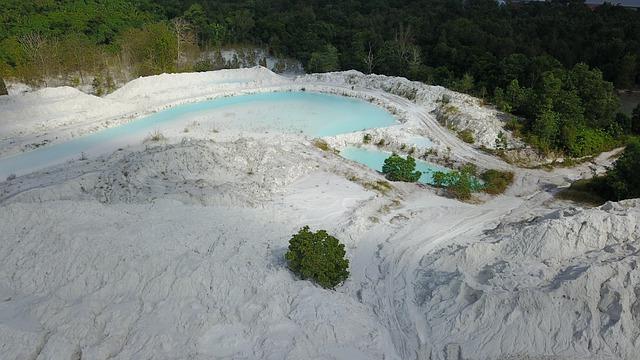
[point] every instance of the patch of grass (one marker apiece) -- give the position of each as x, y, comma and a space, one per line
495, 181
466, 136
450, 110
380, 186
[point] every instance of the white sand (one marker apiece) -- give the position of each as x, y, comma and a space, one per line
176, 250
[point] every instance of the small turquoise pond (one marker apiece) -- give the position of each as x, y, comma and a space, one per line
313, 114
375, 159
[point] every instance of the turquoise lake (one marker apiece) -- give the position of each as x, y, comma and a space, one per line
313, 114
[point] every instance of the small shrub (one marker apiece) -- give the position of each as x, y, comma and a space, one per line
466, 136
317, 256
501, 141
203, 66
322, 145
98, 88
380, 186
156, 136
381, 142
450, 110
396, 168
495, 181
366, 138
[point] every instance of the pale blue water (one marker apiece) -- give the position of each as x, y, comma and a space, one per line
313, 114
375, 159
421, 142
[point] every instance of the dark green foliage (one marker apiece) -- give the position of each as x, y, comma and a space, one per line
318, 256
588, 141
466, 136
572, 111
461, 183
324, 60
495, 181
396, 168
475, 45
624, 179
203, 66
3, 87
635, 120
588, 191
621, 182
153, 47
366, 138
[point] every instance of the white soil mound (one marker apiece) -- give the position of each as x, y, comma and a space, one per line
566, 284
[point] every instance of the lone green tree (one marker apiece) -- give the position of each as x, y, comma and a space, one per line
317, 256
396, 168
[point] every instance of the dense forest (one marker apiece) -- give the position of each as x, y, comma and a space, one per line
553, 64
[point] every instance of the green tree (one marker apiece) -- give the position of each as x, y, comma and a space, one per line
152, 49
324, 60
196, 16
464, 85
624, 178
318, 256
545, 128
598, 96
396, 168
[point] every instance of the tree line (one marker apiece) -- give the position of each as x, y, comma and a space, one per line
555, 65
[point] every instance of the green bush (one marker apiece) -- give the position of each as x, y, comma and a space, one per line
466, 136
495, 181
366, 138
318, 256
589, 141
203, 66
396, 168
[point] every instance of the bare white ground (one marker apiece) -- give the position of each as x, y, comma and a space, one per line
175, 250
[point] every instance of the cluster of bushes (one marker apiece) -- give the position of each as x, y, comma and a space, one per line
460, 183
495, 181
